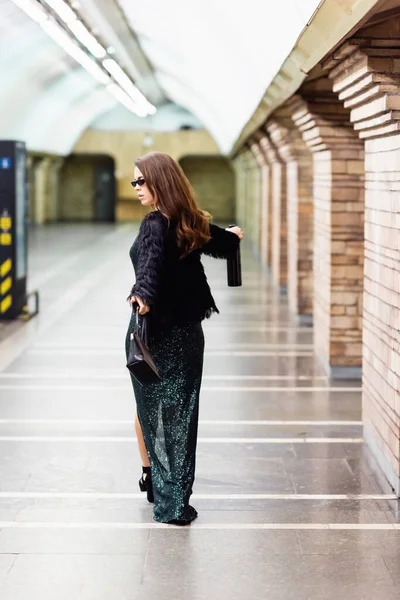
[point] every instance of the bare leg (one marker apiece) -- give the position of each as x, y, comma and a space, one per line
142, 447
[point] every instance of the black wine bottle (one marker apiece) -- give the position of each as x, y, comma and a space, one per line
234, 268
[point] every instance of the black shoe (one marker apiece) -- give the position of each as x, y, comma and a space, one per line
146, 485
192, 515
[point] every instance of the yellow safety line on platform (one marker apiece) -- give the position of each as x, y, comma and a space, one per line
5, 267
5, 239
5, 304
5, 286
5, 223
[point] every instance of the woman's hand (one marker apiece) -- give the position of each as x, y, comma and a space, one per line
143, 308
237, 231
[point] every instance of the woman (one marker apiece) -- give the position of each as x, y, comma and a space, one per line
172, 287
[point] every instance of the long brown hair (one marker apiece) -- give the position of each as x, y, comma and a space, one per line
175, 199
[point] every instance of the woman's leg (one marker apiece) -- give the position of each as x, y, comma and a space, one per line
145, 482
142, 447
139, 435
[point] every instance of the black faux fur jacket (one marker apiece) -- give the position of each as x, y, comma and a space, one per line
176, 289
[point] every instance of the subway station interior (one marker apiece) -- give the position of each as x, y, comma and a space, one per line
285, 117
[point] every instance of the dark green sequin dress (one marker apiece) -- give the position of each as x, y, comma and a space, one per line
168, 413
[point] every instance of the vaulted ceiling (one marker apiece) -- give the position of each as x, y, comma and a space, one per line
46, 98
217, 57
214, 58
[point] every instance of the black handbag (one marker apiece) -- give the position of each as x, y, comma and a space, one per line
140, 362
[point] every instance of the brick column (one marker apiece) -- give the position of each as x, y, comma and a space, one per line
52, 206
238, 164
245, 163
268, 154
299, 174
366, 75
263, 199
277, 218
251, 223
42, 190
254, 175
44, 182
338, 227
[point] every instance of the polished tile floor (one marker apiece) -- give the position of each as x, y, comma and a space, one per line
289, 508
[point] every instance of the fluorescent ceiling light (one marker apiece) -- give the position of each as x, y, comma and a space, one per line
92, 67
62, 38
32, 9
122, 97
87, 39
63, 10
115, 70
128, 94
125, 82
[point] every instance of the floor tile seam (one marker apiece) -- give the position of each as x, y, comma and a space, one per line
48, 346
332, 527
121, 373
228, 326
25, 486
388, 570
299, 544
291, 475
256, 310
16, 556
126, 388
234, 353
264, 327
93, 495
200, 440
346, 463
145, 559
202, 422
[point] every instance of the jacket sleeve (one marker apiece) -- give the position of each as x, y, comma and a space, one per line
151, 259
222, 243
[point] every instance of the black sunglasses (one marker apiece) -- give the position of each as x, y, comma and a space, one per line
139, 181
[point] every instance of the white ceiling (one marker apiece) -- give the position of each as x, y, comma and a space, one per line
47, 99
216, 58
210, 57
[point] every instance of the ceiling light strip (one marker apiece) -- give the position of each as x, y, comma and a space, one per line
121, 77
122, 88
58, 34
124, 99
63, 10
87, 39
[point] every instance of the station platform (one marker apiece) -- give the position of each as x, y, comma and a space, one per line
289, 504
